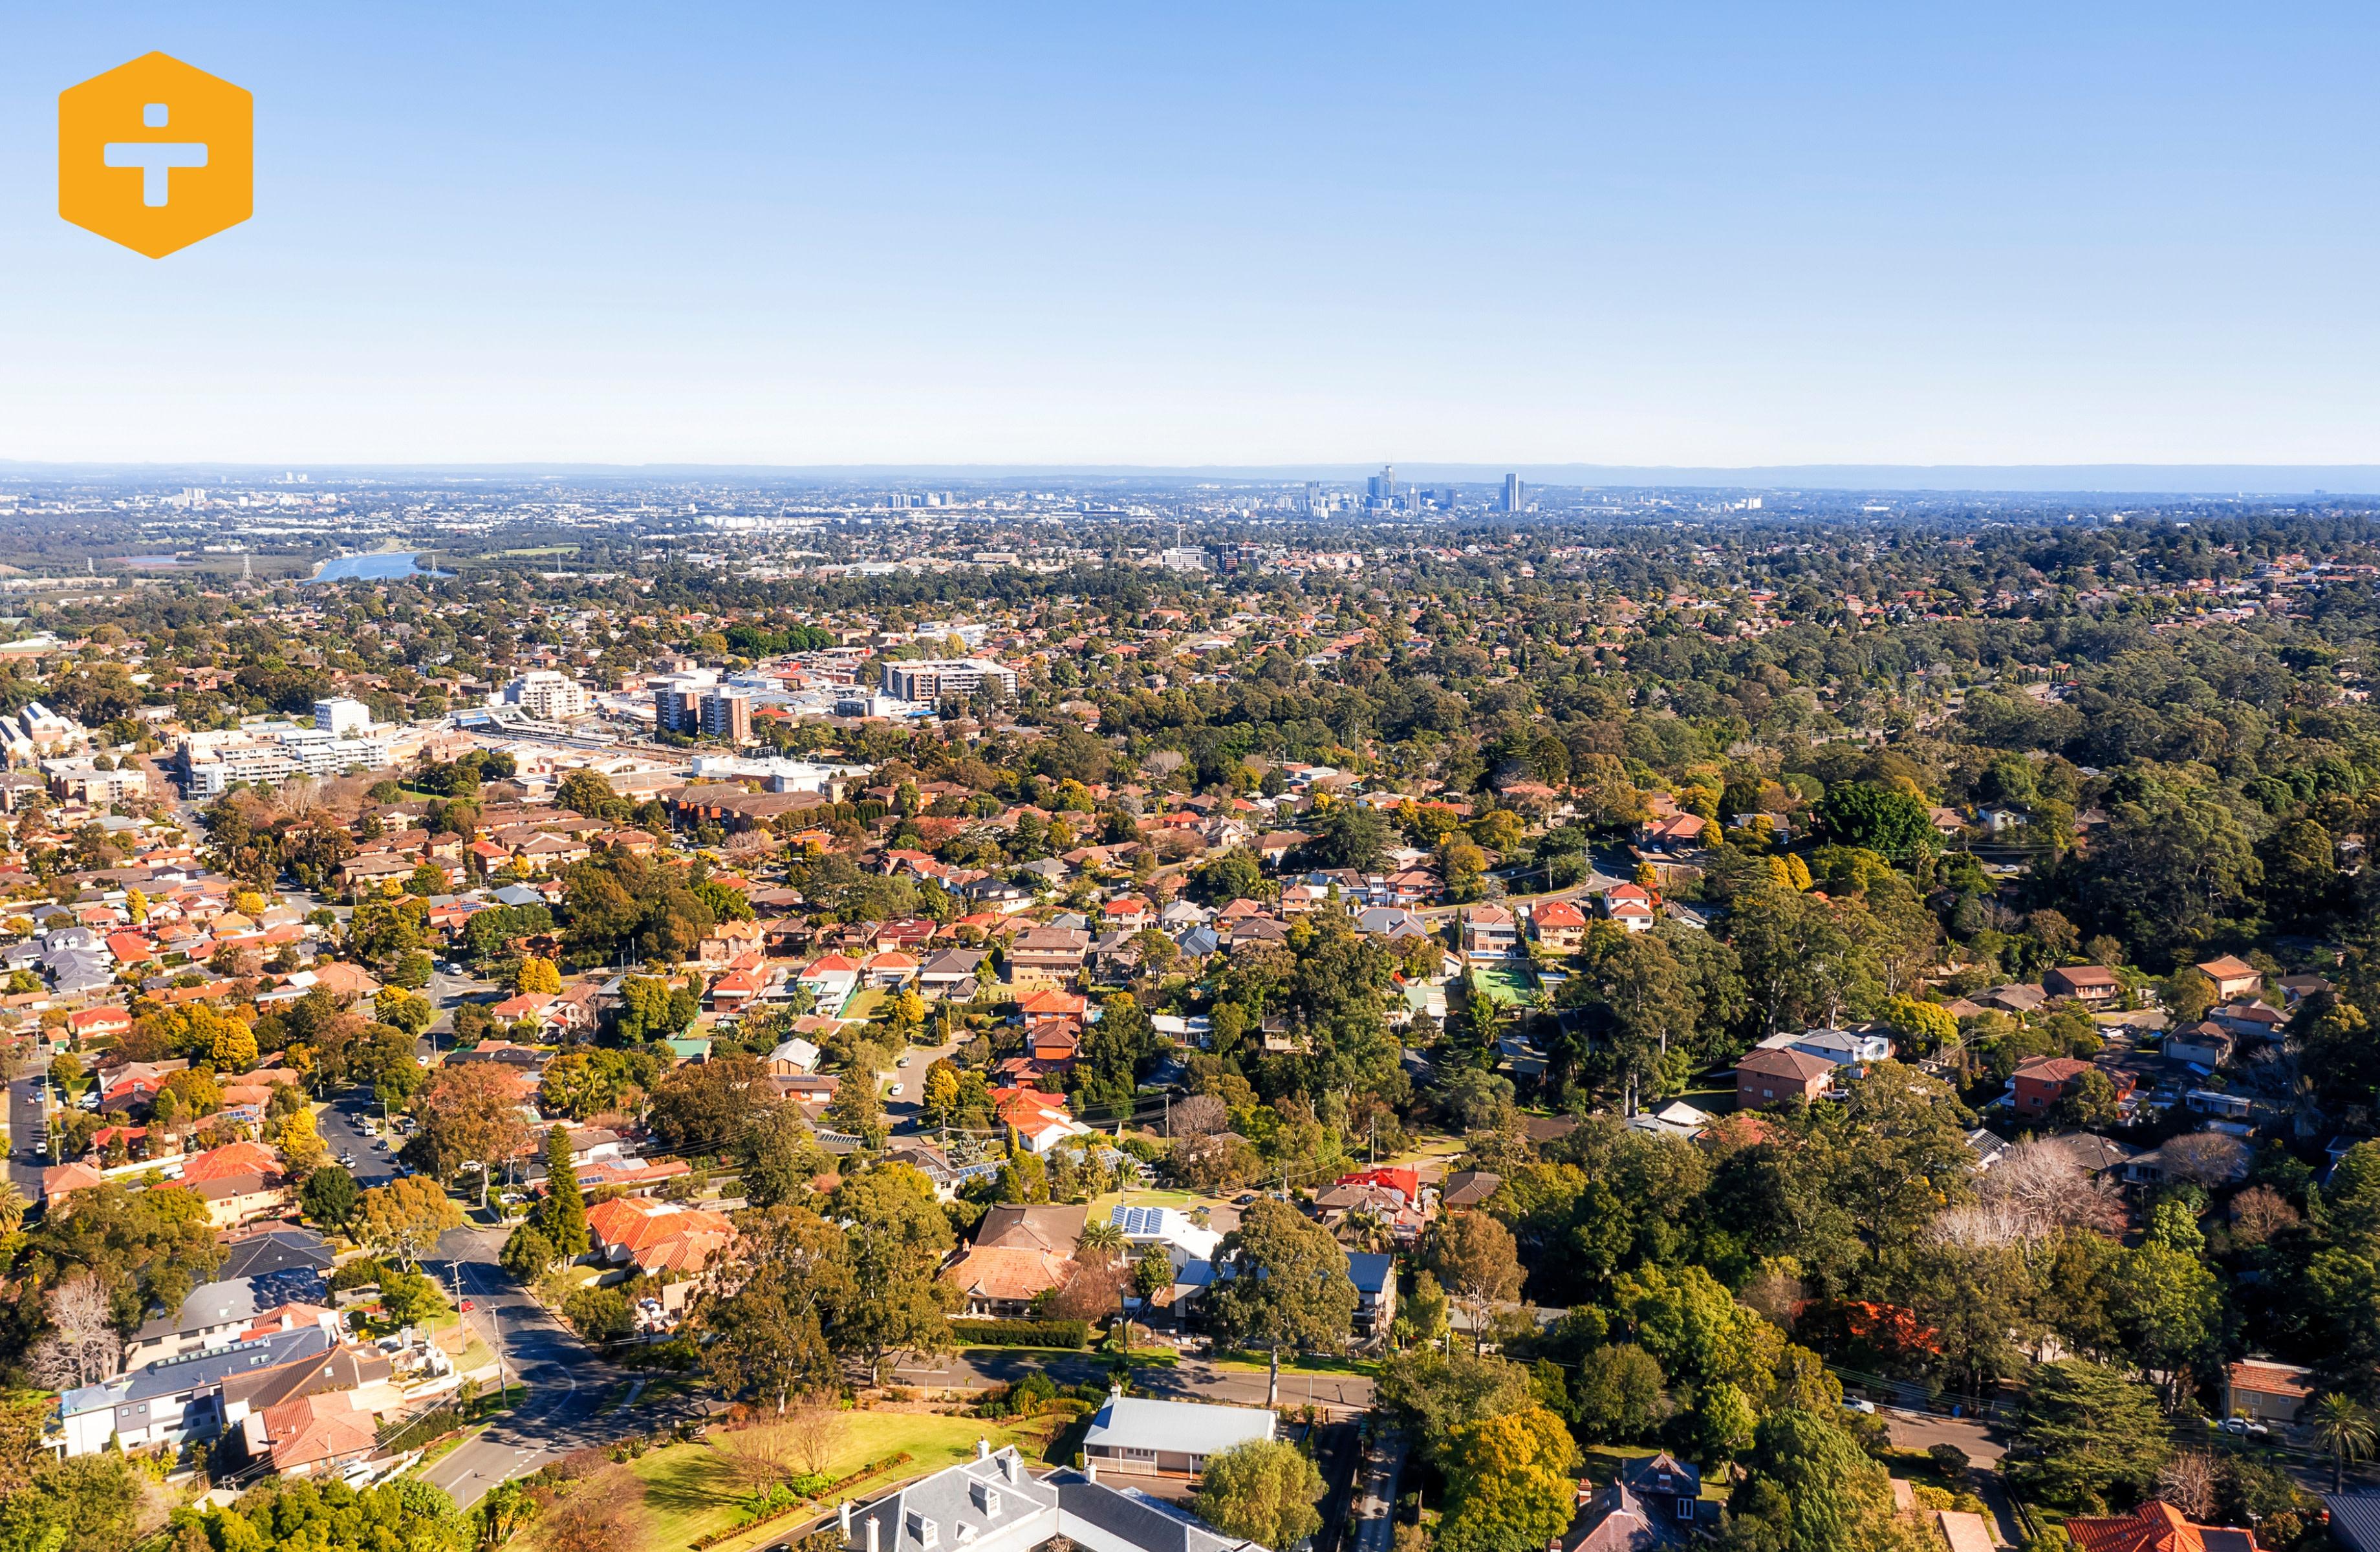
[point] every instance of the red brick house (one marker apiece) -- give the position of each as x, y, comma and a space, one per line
1765, 1079
2043, 1081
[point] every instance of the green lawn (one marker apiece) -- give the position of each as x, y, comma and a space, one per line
1509, 985
690, 1494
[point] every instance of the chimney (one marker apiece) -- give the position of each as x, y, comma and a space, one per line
844, 1512
983, 1449
1090, 1471
1012, 1465
871, 1534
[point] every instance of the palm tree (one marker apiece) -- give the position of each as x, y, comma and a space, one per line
1105, 1238
12, 1207
2344, 1427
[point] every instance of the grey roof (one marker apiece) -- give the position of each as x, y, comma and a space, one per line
1135, 1518
1199, 941
215, 1304
2355, 1520
519, 894
1192, 1427
278, 1250
953, 962
1370, 1273
199, 1371
950, 1502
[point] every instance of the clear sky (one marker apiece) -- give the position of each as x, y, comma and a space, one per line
1195, 233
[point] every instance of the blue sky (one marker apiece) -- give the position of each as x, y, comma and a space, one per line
1207, 234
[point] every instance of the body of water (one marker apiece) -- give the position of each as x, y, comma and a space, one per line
386, 566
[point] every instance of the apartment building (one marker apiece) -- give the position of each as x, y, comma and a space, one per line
936, 679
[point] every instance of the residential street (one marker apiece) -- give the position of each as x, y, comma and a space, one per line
25, 1161
1191, 1380
568, 1384
374, 1156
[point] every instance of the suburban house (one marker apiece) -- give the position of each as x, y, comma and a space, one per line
1133, 1437
1047, 954
1768, 1078
1665, 1485
2266, 1392
2204, 1043
1559, 925
2042, 1082
2155, 1526
656, 1236
950, 973
1631, 905
2092, 984
201, 1394
2251, 1017
1488, 933
219, 1314
1843, 1047
830, 979
993, 1504
1020, 1252
1672, 832
1375, 1278
1041, 1120
2233, 978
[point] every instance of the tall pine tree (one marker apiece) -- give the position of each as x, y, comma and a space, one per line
565, 1214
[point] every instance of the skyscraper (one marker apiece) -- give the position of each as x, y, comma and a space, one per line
1511, 492
1381, 488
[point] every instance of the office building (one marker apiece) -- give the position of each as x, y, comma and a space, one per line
548, 696
1511, 492
1381, 488
938, 679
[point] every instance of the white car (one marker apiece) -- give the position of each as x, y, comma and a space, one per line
904, 1061
896, 1091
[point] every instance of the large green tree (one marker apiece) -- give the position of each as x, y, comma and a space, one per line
1264, 1491
1284, 1283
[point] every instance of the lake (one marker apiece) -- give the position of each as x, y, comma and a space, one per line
383, 566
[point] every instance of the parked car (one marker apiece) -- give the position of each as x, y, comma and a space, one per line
896, 1091
2246, 1427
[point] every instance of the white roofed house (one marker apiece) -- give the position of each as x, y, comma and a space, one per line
1137, 1437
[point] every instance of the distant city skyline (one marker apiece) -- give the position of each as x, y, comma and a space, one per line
1729, 241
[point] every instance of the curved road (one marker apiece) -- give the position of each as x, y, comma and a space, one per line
569, 1384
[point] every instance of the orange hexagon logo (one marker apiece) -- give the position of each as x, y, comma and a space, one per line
156, 155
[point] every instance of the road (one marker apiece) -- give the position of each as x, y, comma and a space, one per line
338, 1123
1191, 1380
901, 1113
25, 1138
568, 1384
